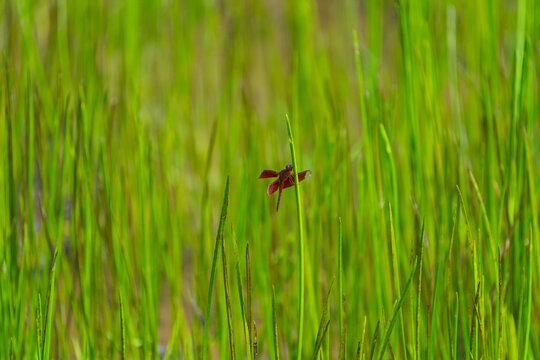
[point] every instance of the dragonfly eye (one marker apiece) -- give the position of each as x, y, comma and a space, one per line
288, 167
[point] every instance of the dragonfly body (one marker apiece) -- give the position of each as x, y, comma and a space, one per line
285, 179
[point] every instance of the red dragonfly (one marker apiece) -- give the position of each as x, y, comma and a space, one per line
285, 179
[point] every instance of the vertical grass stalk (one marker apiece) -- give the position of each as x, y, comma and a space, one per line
213, 273
49, 310
122, 329
249, 315
274, 325
455, 331
342, 340
397, 308
419, 293
227, 298
300, 244
323, 325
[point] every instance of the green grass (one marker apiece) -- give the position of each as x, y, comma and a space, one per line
274, 325
122, 124
323, 324
301, 266
219, 240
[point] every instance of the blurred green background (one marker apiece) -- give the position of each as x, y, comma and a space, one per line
121, 120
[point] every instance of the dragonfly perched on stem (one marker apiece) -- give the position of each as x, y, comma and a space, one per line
285, 179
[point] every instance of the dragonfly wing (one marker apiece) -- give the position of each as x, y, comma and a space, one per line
289, 181
302, 174
273, 187
268, 174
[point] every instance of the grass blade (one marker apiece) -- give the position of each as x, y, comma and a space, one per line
323, 325
455, 340
213, 273
240, 293
532, 195
122, 328
374, 341
494, 249
274, 325
397, 308
475, 319
322, 335
419, 293
227, 297
39, 325
360, 350
300, 244
342, 340
248, 303
529, 297
49, 310
395, 267
491, 244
